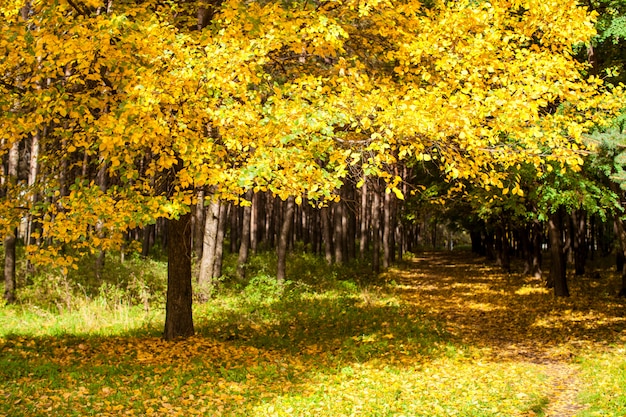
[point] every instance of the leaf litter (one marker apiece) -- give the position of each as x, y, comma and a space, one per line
446, 336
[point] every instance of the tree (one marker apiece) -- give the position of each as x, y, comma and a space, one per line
281, 98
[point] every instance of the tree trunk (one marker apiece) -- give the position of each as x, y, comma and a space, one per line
101, 180
244, 247
326, 234
387, 230
536, 243
254, 222
10, 240
283, 239
209, 244
376, 230
363, 241
198, 226
178, 314
579, 241
219, 240
620, 230
339, 237
558, 277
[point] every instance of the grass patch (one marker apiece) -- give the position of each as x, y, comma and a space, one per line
329, 342
605, 374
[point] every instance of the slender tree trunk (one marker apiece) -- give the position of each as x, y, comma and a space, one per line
326, 234
209, 243
536, 248
376, 230
558, 276
283, 239
339, 237
178, 314
387, 230
244, 247
579, 241
198, 226
363, 241
10, 240
219, 243
254, 222
620, 230
102, 184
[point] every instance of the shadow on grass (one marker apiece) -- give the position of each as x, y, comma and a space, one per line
243, 355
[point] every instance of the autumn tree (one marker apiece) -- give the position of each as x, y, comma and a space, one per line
278, 98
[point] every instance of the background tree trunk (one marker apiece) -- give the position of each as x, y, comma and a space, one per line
10, 240
326, 234
284, 238
209, 244
178, 314
558, 276
244, 247
376, 230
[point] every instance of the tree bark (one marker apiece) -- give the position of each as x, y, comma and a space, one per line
178, 313
209, 244
376, 230
387, 230
244, 247
254, 222
339, 244
364, 229
536, 243
219, 241
10, 240
620, 230
558, 276
326, 234
579, 241
283, 239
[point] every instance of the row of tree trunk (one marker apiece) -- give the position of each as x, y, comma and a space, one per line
568, 237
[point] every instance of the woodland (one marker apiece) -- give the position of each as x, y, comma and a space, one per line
353, 130
341, 207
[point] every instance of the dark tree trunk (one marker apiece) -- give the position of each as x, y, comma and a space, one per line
178, 314
579, 241
387, 230
254, 222
558, 266
326, 234
198, 226
376, 230
364, 230
503, 258
620, 230
536, 243
526, 247
10, 243
339, 237
283, 239
148, 239
10, 240
244, 248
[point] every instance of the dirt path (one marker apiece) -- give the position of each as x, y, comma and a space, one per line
510, 317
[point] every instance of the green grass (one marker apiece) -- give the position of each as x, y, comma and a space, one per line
330, 342
605, 374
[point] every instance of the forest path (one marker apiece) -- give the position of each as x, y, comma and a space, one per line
510, 317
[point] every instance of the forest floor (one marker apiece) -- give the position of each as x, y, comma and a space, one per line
512, 318
442, 334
